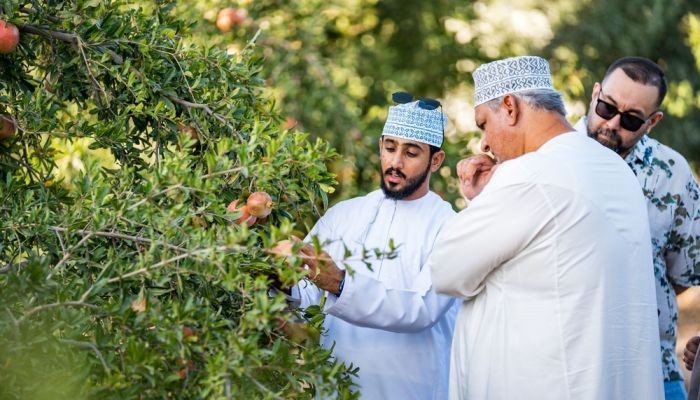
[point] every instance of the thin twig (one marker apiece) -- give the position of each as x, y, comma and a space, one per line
25, 160
208, 110
264, 389
213, 174
14, 321
67, 255
116, 235
12, 265
60, 241
54, 305
184, 77
35, 12
100, 92
254, 39
89, 290
89, 345
165, 262
145, 199
227, 387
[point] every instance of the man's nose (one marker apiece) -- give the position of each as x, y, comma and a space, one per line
485, 146
614, 122
396, 159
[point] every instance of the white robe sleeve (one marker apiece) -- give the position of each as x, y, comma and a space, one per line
497, 225
367, 302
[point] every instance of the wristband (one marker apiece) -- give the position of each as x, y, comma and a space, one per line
341, 285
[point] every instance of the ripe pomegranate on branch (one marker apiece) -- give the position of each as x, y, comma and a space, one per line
9, 37
8, 126
259, 204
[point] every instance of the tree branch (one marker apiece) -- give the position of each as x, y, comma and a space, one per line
67, 255
68, 37
9, 266
213, 174
73, 39
145, 199
116, 235
35, 12
54, 305
89, 345
208, 110
165, 262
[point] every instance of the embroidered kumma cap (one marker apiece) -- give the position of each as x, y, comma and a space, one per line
410, 121
510, 75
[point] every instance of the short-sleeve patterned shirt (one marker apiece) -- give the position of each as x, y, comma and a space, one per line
673, 203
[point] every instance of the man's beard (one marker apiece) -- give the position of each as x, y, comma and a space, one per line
611, 140
412, 184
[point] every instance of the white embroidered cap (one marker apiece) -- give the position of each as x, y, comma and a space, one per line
413, 122
510, 75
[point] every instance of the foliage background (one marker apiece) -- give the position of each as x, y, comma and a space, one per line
332, 65
104, 155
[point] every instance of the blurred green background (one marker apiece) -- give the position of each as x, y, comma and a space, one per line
331, 65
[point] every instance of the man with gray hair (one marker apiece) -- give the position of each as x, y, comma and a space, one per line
552, 257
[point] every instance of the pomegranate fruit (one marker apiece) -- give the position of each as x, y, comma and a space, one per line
8, 127
259, 204
9, 37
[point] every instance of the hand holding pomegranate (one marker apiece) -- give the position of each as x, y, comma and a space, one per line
245, 215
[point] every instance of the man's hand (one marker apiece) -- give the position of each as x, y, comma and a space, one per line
322, 269
474, 173
691, 349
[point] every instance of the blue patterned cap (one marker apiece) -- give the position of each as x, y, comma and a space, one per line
510, 75
409, 121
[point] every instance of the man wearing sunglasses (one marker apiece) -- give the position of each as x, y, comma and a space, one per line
552, 256
384, 317
624, 108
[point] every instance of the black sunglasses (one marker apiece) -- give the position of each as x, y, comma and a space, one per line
425, 103
628, 121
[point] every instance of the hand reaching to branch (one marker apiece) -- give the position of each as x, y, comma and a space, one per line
474, 173
322, 269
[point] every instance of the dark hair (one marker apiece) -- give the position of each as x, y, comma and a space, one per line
641, 70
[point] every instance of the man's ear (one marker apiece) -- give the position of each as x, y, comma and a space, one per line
655, 119
437, 161
596, 91
512, 108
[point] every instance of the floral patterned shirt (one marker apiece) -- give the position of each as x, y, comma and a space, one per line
673, 203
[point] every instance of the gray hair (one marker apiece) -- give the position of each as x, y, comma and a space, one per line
543, 99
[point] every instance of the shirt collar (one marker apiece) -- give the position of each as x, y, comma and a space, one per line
638, 151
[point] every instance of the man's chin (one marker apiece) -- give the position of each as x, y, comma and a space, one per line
393, 191
612, 145
605, 140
